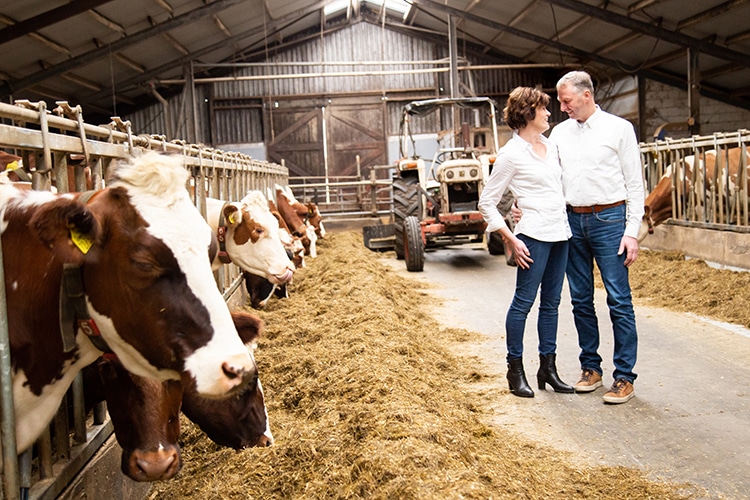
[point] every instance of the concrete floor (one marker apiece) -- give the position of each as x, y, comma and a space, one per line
690, 419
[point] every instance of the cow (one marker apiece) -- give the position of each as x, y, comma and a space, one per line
307, 211
133, 260
261, 290
292, 243
145, 413
249, 237
297, 226
658, 204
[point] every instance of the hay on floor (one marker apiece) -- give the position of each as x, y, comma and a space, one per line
366, 400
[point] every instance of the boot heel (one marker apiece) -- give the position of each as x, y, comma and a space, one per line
547, 374
517, 379
542, 382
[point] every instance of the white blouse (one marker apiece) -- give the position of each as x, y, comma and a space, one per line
536, 183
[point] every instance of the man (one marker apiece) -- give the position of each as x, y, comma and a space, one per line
603, 186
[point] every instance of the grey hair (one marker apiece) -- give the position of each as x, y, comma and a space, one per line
579, 80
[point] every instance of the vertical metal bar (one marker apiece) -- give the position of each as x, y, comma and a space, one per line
453, 56
24, 469
8, 424
60, 423
61, 172
79, 410
44, 447
694, 88
325, 152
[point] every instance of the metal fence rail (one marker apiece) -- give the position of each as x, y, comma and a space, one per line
48, 142
703, 198
348, 196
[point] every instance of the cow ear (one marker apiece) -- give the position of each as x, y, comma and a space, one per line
248, 326
232, 215
67, 228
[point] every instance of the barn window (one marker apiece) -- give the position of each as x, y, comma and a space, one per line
396, 8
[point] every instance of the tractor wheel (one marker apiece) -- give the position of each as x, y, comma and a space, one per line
405, 204
413, 245
495, 243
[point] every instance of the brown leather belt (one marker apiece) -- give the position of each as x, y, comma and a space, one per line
595, 208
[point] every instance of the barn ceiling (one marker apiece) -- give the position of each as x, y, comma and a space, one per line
110, 56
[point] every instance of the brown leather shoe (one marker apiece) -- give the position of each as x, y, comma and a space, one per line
621, 392
589, 381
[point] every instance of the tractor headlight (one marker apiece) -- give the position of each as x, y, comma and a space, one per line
473, 172
449, 174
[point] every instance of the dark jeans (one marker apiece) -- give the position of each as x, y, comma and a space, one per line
547, 271
597, 236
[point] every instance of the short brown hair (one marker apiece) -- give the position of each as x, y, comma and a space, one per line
522, 105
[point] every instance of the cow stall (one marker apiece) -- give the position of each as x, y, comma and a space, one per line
697, 196
56, 150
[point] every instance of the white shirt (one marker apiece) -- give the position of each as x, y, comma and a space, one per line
536, 184
601, 164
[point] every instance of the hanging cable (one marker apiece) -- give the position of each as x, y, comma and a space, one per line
557, 34
112, 82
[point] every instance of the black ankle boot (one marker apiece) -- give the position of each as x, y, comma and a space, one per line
547, 374
517, 379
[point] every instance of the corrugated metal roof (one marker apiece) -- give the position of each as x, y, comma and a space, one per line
109, 55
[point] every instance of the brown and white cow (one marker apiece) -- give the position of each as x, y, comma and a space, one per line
308, 212
293, 244
658, 204
248, 232
297, 226
138, 256
145, 413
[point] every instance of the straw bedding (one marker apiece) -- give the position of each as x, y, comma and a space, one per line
367, 400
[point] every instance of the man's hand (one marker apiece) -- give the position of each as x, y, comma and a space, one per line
515, 212
630, 245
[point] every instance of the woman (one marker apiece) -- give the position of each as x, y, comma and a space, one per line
529, 166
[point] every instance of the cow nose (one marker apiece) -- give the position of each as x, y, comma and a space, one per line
154, 465
264, 441
236, 374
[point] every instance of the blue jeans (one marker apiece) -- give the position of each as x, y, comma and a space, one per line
548, 272
597, 236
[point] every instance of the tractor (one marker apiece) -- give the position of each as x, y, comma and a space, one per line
435, 203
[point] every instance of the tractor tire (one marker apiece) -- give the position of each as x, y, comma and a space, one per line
495, 243
413, 245
405, 204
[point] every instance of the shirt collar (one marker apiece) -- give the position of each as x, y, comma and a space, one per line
526, 144
591, 122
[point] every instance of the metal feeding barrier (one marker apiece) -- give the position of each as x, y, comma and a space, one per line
55, 145
712, 191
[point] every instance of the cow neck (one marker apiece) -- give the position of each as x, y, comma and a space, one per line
221, 235
74, 314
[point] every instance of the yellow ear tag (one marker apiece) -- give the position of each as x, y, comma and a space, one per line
82, 242
12, 165
231, 218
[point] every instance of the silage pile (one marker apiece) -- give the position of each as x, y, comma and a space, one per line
366, 400
666, 279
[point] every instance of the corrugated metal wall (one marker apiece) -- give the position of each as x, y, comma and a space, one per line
237, 105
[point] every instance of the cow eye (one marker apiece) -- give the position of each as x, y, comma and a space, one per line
259, 231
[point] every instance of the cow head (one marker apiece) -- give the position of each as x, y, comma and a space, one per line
143, 251
240, 421
315, 220
252, 239
145, 414
657, 207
